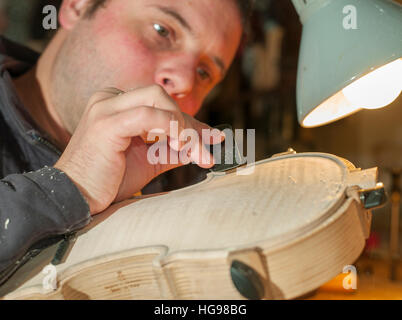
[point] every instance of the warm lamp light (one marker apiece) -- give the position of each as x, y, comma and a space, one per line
377, 89
344, 68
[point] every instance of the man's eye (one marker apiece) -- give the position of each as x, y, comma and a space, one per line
203, 74
163, 32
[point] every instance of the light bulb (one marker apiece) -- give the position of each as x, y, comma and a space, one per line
378, 88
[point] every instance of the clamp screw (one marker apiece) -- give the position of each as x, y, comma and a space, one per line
247, 281
373, 198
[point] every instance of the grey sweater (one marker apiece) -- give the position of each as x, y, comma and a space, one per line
38, 203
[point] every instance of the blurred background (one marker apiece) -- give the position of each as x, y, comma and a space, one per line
260, 93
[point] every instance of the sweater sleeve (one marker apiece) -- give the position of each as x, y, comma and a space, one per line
36, 206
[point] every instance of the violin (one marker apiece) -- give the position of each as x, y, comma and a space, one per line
279, 231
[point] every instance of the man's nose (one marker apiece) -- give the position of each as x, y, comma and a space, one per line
177, 77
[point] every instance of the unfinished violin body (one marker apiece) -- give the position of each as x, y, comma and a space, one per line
278, 232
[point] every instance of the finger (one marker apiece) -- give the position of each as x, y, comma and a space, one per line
214, 136
139, 121
152, 96
136, 122
156, 96
204, 158
209, 135
199, 156
195, 150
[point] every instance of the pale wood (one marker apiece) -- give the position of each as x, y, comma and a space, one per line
300, 212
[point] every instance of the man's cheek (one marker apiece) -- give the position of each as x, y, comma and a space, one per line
128, 60
137, 66
123, 50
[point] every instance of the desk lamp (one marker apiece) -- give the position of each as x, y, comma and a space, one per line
350, 58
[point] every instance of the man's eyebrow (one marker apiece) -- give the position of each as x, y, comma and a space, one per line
173, 13
221, 65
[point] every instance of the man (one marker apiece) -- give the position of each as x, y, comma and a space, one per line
84, 145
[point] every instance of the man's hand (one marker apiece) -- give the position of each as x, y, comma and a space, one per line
107, 156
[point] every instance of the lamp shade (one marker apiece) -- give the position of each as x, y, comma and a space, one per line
350, 57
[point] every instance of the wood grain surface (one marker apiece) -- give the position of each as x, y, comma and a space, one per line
297, 220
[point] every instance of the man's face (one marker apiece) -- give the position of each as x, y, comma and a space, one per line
186, 46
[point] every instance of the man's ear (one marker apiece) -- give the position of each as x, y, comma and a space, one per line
71, 11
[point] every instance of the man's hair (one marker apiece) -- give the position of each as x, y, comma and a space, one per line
245, 7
